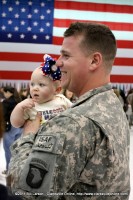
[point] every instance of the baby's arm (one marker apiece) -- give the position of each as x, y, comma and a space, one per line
17, 115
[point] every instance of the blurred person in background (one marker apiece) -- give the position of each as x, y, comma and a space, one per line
70, 95
130, 107
4, 195
1, 121
24, 93
11, 133
121, 96
1, 94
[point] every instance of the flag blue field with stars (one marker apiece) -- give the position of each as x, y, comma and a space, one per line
26, 21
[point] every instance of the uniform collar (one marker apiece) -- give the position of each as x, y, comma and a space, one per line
92, 92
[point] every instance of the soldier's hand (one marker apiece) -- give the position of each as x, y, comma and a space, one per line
32, 126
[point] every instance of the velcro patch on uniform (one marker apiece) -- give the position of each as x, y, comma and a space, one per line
37, 171
45, 143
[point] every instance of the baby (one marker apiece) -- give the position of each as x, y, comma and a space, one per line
45, 95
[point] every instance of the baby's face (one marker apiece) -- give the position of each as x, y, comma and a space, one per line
42, 88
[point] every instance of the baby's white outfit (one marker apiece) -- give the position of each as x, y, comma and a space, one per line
48, 109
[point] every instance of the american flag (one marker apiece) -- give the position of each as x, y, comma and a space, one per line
29, 29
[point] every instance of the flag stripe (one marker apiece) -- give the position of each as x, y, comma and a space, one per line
32, 57
13, 75
124, 61
34, 48
95, 16
119, 35
97, 7
29, 57
122, 70
117, 2
120, 43
30, 66
113, 25
24, 66
39, 49
121, 79
125, 44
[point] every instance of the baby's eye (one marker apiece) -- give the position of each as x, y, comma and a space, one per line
32, 84
41, 84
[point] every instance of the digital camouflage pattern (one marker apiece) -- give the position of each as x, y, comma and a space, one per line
83, 153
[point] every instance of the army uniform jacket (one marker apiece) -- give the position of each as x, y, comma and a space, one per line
81, 154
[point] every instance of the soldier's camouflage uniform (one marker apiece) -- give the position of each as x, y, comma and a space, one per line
81, 154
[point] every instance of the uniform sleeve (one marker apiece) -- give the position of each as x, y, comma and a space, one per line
20, 150
58, 156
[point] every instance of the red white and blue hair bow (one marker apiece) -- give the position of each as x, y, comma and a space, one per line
50, 69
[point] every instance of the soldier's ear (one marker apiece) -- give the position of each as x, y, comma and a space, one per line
96, 60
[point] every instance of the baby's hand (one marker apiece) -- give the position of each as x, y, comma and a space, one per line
27, 103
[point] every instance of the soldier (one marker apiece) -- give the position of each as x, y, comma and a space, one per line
84, 152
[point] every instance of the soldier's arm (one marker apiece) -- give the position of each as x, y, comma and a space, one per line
58, 156
20, 151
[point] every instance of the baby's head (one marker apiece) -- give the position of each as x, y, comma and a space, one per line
45, 81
